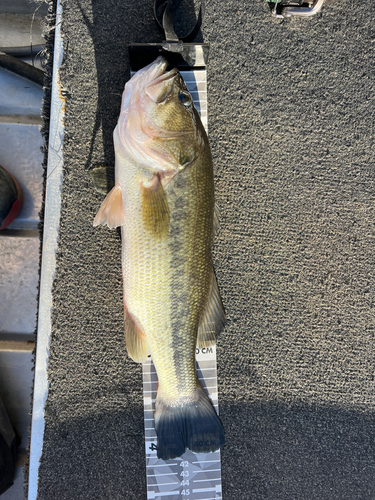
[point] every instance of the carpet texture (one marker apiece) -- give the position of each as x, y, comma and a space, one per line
291, 106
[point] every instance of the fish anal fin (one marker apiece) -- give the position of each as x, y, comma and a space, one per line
213, 319
111, 211
155, 209
134, 338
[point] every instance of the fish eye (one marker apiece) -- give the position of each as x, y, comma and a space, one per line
185, 98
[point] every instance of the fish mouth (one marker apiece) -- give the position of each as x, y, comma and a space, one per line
163, 77
155, 71
142, 78
160, 86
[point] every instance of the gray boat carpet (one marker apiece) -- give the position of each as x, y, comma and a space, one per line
291, 124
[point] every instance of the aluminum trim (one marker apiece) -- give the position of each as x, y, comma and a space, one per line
50, 240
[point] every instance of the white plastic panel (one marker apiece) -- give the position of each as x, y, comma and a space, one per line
16, 380
15, 390
15, 492
19, 264
16, 23
20, 154
20, 99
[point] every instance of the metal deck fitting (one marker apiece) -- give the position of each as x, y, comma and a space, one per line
284, 8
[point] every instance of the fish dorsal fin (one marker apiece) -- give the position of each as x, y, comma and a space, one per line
111, 211
213, 320
216, 219
155, 209
135, 339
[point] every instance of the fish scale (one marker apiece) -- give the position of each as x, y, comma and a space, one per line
160, 260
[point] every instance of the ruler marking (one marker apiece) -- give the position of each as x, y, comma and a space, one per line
213, 498
154, 373
206, 461
161, 465
163, 494
203, 480
161, 474
203, 490
166, 484
205, 470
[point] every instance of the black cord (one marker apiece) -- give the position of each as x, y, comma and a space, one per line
21, 68
28, 51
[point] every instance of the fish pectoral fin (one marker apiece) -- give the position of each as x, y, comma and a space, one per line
213, 319
155, 209
135, 339
104, 178
111, 211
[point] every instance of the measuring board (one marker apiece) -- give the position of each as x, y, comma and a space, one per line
192, 476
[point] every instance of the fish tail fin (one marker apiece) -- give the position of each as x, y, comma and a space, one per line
192, 424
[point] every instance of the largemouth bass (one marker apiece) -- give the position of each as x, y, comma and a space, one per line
163, 199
